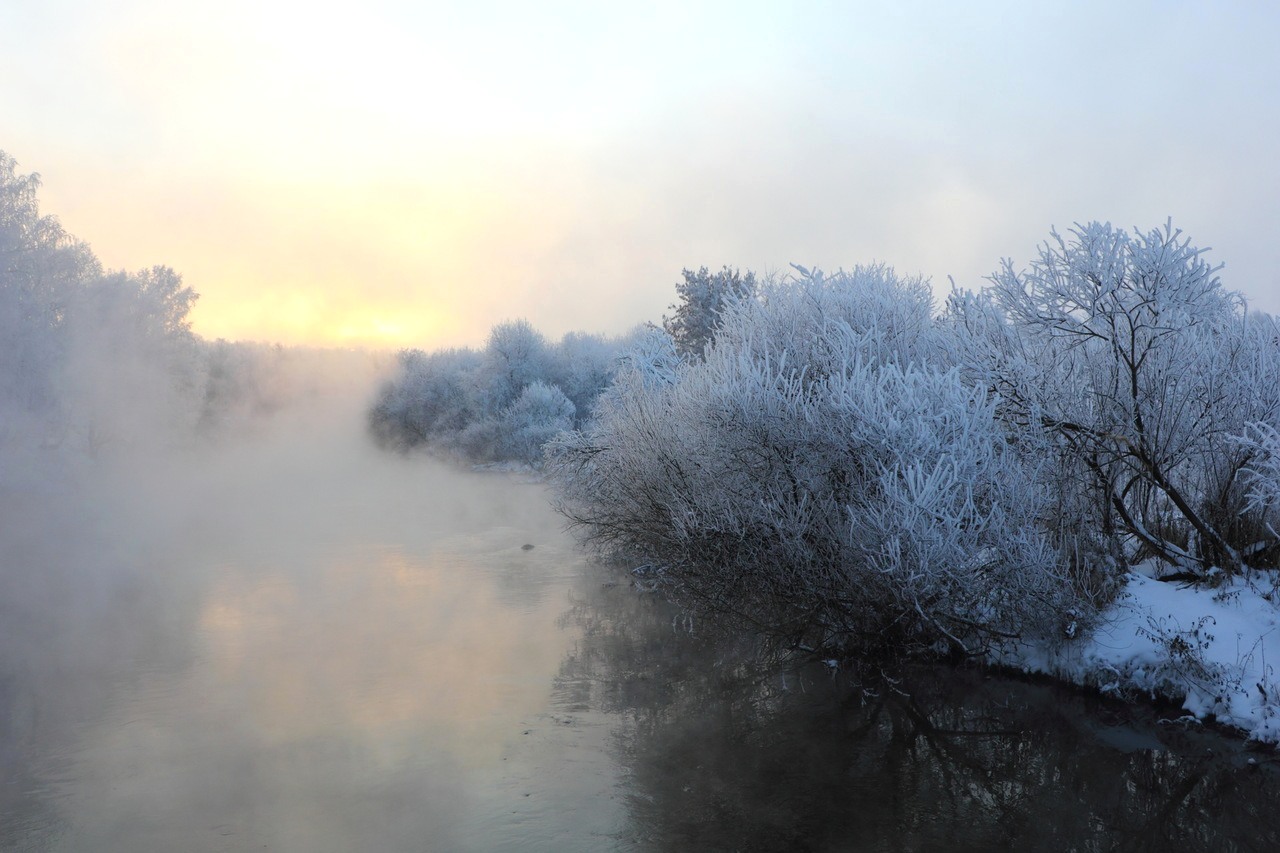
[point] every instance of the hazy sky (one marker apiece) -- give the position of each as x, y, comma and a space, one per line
409, 173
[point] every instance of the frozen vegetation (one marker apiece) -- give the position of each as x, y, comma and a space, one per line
503, 403
857, 473
822, 471
500, 404
77, 340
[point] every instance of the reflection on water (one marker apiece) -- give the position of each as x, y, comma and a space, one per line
721, 751
295, 648
291, 650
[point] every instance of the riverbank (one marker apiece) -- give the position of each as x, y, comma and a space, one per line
1212, 650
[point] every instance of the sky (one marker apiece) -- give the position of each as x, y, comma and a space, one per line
389, 173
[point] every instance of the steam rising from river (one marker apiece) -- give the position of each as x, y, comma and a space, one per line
284, 638
205, 631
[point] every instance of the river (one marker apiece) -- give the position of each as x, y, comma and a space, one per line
299, 643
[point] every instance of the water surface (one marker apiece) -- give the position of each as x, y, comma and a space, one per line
300, 644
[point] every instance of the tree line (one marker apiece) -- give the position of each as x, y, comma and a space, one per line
92, 358
838, 460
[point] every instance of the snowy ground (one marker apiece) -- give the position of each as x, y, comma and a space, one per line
1216, 650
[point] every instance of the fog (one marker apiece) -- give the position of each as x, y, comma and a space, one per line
285, 635
226, 619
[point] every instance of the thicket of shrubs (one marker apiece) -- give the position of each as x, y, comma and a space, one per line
503, 403
846, 467
822, 472
498, 404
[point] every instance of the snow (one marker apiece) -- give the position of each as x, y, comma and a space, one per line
1214, 650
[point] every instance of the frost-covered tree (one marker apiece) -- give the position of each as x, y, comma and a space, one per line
515, 355
1126, 349
84, 353
133, 364
1262, 478
582, 365
652, 358
703, 298
432, 398
42, 271
817, 476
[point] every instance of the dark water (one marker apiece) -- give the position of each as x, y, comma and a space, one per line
304, 646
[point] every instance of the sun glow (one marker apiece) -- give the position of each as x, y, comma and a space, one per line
403, 173
311, 319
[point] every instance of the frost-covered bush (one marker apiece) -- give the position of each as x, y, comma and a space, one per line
990, 354
430, 400
498, 404
1261, 484
1127, 353
538, 414
816, 319
819, 476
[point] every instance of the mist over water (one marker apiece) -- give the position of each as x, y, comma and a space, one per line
286, 639
291, 638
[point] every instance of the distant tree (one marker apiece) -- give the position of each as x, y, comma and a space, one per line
134, 366
541, 412
499, 404
652, 359
83, 351
703, 298
42, 271
432, 399
515, 355
582, 366
235, 385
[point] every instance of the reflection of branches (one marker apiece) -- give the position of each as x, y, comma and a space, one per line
722, 751
1149, 836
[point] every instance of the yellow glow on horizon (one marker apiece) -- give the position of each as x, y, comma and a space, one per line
425, 261
409, 174
388, 177
297, 318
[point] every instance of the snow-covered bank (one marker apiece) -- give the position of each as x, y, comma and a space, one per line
1214, 650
